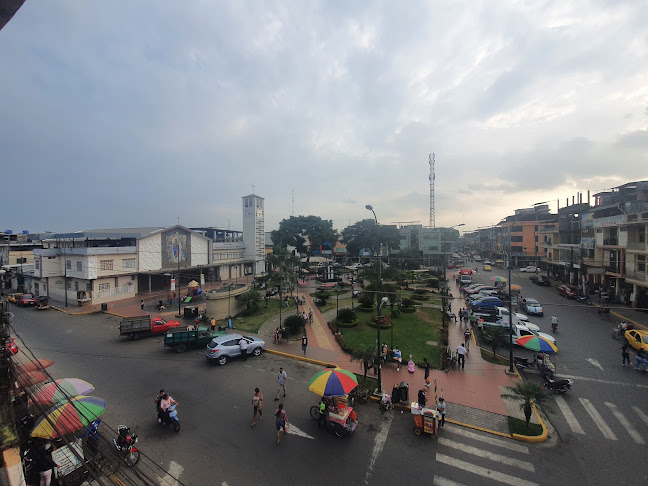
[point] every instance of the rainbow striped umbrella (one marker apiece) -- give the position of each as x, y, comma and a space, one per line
537, 343
333, 382
61, 391
68, 417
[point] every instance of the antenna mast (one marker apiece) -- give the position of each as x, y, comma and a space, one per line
431, 161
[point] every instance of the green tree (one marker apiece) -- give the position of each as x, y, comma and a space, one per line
496, 337
281, 267
366, 356
321, 297
297, 230
294, 324
528, 393
367, 234
406, 260
251, 299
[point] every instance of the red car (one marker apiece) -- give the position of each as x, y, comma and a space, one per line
26, 299
568, 291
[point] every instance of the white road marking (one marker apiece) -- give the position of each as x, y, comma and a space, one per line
595, 363
598, 420
441, 481
607, 382
527, 466
569, 416
175, 470
642, 415
623, 420
294, 430
483, 471
379, 443
489, 440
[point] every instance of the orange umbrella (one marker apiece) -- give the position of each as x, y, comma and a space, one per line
31, 378
34, 365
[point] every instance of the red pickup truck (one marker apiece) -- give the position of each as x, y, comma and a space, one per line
26, 299
137, 327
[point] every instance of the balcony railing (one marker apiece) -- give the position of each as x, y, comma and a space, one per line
639, 276
638, 246
616, 268
611, 241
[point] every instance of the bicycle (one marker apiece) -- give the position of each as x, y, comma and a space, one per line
450, 363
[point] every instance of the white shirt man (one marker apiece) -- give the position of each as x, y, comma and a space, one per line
461, 355
244, 345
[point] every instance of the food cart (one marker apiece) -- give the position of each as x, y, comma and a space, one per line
333, 385
425, 419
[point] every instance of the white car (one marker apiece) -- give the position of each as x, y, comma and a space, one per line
529, 269
520, 317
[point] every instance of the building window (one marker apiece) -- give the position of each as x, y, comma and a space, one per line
641, 263
79, 266
104, 287
88, 286
106, 264
68, 264
129, 263
37, 264
642, 237
76, 286
69, 284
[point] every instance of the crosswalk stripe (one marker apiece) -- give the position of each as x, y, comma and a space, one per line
483, 471
489, 440
509, 461
623, 420
598, 420
642, 415
441, 481
569, 416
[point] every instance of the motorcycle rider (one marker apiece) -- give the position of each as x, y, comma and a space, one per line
165, 402
554, 323
157, 405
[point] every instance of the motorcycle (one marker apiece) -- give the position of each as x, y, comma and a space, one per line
584, 299
620, 329
545, 366
125, 445
171, 419
386, 402
556, 386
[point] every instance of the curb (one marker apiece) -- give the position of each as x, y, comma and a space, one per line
301, 358
534, 438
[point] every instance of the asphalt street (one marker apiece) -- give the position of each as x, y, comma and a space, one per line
603, 419
217, 446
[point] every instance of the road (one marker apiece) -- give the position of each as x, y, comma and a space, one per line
217, 446
605, 414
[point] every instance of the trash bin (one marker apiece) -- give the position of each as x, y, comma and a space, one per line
190, 312
404, 392
104, 307
395, 395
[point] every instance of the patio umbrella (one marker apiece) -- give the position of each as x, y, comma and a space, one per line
31, 378
537, 343
61, 390
34, 365
333, 382
498, 279
69, 417
515, 287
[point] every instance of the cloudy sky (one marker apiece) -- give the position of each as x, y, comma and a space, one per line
135, 113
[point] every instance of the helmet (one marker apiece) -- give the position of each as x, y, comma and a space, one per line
165, 396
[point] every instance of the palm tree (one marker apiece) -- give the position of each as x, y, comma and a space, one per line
366, 356
251, 299
528, 393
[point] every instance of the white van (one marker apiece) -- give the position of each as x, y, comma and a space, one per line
465, 280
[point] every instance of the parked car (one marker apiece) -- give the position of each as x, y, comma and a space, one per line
637, 338
224, 348
529, 269
532, 306
13, 298
26, 299
486, 303
568, 291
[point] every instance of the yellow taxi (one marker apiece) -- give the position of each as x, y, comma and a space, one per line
13, 298
487, 268
637, 338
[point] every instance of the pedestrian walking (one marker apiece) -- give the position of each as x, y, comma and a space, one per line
304, 343
441, 407
257, 404
427, 372
212, 326
310, 316
322, 415
281, 421
467, 338
281, 383
625, 354
421, 398
450, 304
461, 355
142, 304
244, 345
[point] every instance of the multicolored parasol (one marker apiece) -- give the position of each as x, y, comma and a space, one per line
69, 417
333, 382
498, 279
61, 391
537, 343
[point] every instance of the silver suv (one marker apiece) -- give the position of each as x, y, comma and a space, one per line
223, 348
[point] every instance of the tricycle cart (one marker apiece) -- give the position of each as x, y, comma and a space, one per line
425, 419
42, 303
339, 418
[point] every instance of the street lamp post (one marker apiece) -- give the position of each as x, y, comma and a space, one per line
168, 276
510, 304
378, 303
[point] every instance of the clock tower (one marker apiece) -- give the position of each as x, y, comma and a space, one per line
254, 231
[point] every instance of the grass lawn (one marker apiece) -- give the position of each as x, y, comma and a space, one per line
252, 322
487, 355
517, 426
411, 334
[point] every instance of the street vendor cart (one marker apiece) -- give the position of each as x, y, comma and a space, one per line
333, 385
425, 419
